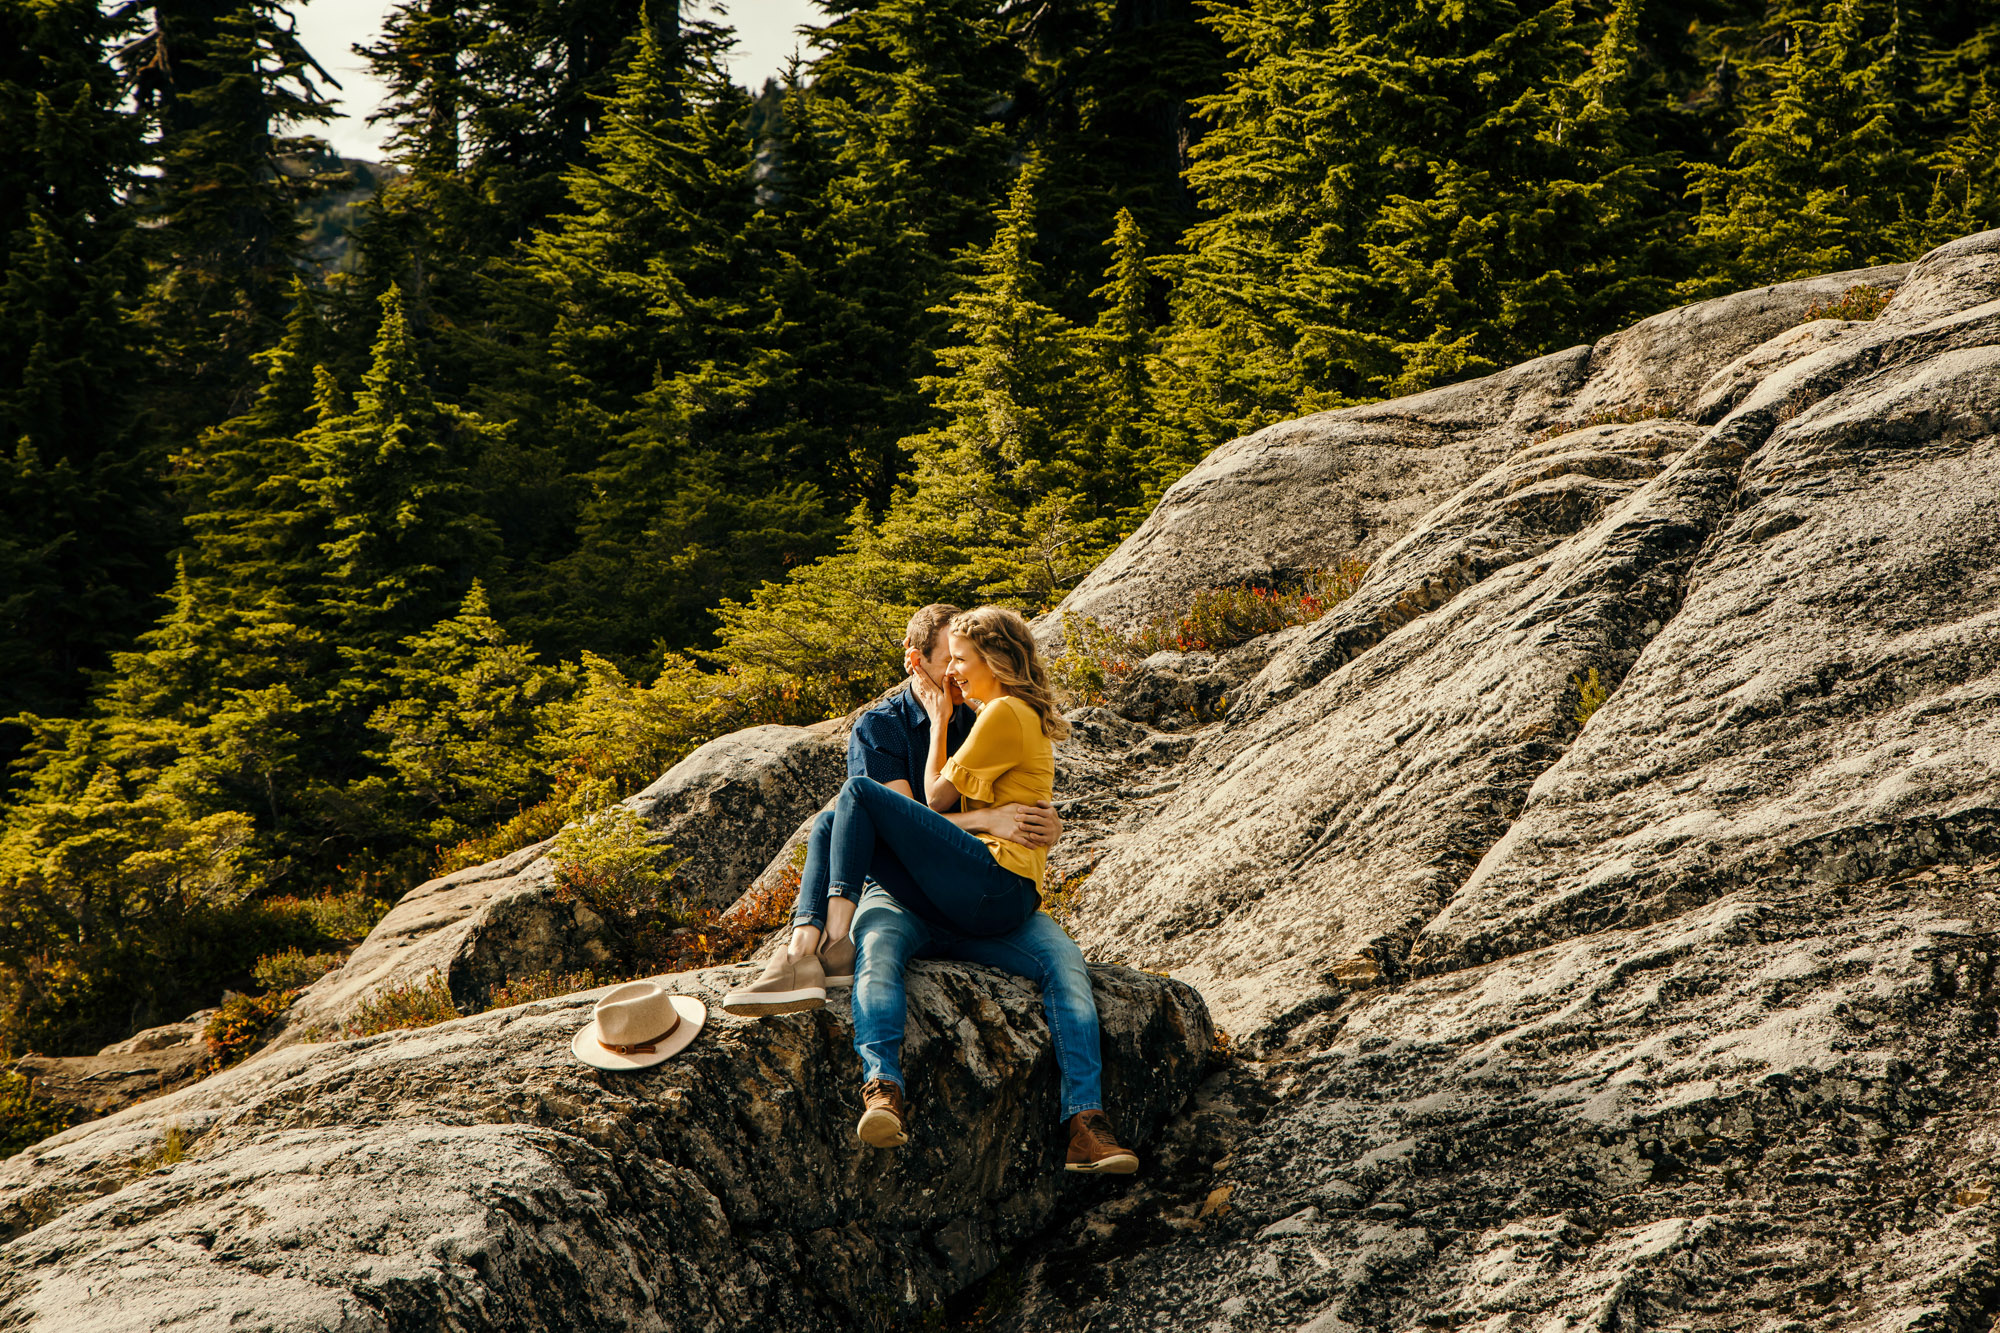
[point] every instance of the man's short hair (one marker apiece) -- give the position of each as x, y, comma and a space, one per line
926, 625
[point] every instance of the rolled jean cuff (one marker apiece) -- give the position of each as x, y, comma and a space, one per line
1071, 1112
805, 918
852, 895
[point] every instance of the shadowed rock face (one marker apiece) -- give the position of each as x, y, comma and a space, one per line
144, 1064
475, 1175
1775, 1111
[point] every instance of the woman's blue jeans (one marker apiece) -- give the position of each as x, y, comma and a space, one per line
889, 935
963, 888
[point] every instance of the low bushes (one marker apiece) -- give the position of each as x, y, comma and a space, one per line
412, 1004
71, 1000
542, 986
1860, 302
293, 968
238, 1025
24, 1119
1096, 658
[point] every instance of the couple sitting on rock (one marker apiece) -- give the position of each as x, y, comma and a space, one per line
935, 849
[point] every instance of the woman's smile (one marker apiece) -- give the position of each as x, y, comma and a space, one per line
975, 679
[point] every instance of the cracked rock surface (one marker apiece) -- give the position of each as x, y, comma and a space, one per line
476, 1176
1682, 1017
1677, 1015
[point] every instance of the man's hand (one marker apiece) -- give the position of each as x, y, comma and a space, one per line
1036, 825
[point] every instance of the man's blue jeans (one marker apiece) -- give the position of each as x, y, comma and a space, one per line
889, 935
961, 886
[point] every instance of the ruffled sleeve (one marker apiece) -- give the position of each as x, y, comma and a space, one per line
994, 747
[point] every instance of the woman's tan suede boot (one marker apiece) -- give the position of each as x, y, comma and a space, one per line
837, 957
787, 986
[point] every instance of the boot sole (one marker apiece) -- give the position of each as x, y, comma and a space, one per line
1124, 1164
762, 1004
881, 1129
840, 983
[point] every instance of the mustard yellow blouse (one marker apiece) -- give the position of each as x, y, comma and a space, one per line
1006, 758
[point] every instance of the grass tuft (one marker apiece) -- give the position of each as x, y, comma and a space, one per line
1590, 695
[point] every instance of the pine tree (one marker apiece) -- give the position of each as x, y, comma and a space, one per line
229, 85
391, 477
650, 266
892, 163
490, 105
1010, 487
1966, 195
466, 707
86, 524
1106, 100
1404, 196
254, 526
1009, 498
1132, 464
1817, 180
678, 414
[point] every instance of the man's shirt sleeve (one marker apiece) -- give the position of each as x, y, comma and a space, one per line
879, 748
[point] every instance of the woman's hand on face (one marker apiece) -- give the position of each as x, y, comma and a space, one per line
935, 698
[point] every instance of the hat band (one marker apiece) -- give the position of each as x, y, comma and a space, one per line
646, 1047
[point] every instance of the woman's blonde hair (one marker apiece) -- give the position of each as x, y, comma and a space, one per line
1008, 647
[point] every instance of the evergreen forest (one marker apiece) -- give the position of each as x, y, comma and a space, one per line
640, 406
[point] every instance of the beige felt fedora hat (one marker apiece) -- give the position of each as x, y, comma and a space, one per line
638, 1025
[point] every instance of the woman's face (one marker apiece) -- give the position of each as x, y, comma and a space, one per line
969, 669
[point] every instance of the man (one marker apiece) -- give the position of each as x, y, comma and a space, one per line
889, 743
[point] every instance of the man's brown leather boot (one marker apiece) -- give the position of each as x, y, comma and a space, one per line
881, 1124
1093, 1146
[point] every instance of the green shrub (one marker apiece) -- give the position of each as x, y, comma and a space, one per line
293, 968
1094, 659
238, 1026
335, 917
419, 1004
1860, 302
607, 861
24, 1118
1590, 695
